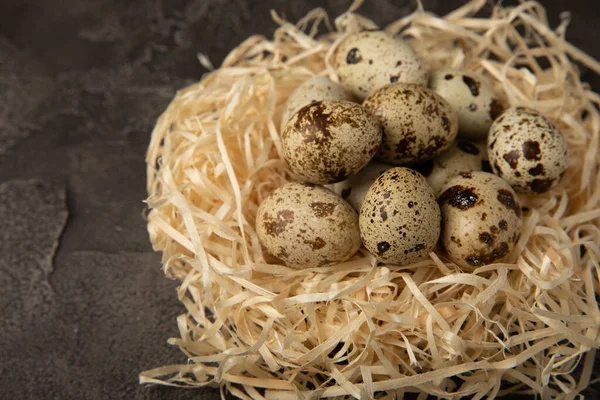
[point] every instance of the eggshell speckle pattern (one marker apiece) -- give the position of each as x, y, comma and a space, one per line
527, 150
418, 124
473, 99
368, 60
300, 224
354, 189
481, 219
400, 218
462, 156
328, 141
315, 89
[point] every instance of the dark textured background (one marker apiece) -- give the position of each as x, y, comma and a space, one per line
84, 305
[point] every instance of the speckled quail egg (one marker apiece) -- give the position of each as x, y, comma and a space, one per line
473, 99
307, 226
527, 150
328, 141
481, 219
366, 61
400, 219
418, 124
354, 189
462, 156
312, 90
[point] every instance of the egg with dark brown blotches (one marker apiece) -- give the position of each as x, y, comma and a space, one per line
481, 219
462, 156
354, 189
366, 61
418, 124
315, 89
328, 141
307, 226
400, 219
527, 150
472, 97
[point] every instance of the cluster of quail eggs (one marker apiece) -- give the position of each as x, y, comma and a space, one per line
399, 159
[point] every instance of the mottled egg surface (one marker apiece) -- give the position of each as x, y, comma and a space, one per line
527, 150
473, 99
307, 226
400, 218
368, 60
462, 156
481, 219
418, 124
328, 141
354, 189
315, 89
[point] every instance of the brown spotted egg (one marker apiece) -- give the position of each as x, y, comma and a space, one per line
418, 124
527, 150
481, 219
462, 156
400, 219
328, 141
354, 189
473, 99
307, 226
366, 61
315, 89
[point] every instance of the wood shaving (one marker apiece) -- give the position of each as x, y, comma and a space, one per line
265, 331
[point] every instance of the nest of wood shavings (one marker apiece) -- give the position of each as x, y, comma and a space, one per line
260, 330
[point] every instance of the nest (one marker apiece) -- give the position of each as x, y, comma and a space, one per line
358, 329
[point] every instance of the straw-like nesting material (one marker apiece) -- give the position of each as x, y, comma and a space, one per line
359, 329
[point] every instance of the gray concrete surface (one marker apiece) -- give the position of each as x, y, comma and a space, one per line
83, 301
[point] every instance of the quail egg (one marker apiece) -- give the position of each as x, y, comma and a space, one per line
418, 124
354, 189
307, 226
473, 99
527, 150
481, 219
366, 61
328, 141
462, 156
400, 219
